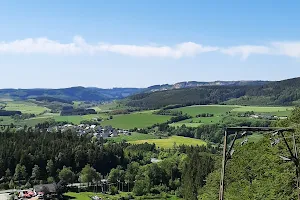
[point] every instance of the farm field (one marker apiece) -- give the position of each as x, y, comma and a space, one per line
133, 137
199, 109
107, 107
280, 111
76, 119
25, 107
139, 120
195, 122
28, 122
169, 142
222, 109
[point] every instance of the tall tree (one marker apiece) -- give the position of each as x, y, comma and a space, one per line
66, 175
88, 174
50, 168
20, 172
36, 172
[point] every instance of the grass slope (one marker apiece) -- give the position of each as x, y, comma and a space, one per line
139, 120
25, 107
169, 142
281, 111
133, 137
199, 109
195, 122
76, 119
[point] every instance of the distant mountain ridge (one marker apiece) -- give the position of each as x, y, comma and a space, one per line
189, 84
285, 92
72, 93
98, 94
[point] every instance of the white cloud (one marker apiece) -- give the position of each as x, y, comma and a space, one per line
291, 49
80, 46
38, 45
245, 51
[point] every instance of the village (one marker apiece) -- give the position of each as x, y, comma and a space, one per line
96, 130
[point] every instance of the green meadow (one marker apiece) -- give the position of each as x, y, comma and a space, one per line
133, 137
280, 111
76, 119
212, 109
138, 119
169, 142
25, 107
218, 110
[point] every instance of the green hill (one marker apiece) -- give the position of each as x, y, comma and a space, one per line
286, 92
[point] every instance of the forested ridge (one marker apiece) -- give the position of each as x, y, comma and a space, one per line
66, 95
286, 92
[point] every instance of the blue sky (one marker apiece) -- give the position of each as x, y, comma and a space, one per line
130, 43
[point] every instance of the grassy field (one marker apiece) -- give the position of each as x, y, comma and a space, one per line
222, 109
139, 120
195, 122
133, 137
213, 109
28, 122
87, 195
108, 107
76, 119
25, 107
280, 111
169, 142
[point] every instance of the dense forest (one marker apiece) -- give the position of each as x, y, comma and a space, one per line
285, 92
29, 157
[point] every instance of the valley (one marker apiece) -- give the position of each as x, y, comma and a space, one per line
148, 139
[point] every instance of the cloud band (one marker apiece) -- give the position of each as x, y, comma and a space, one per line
80, 46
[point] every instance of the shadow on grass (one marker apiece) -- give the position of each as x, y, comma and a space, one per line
66, 197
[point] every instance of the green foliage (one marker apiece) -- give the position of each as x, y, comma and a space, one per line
141, 187
20, 172
50, 167
36, 172
113, 190
255, 172
12, 184
66, 175
195, 171
50, 179
88, 174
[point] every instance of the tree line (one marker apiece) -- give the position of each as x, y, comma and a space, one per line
29, 157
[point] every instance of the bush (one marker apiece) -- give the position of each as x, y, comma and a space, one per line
50, 179
113, 190
4, 186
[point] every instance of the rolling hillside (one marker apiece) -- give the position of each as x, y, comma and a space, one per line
73, 93
190, 84
99, 94
286, 92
